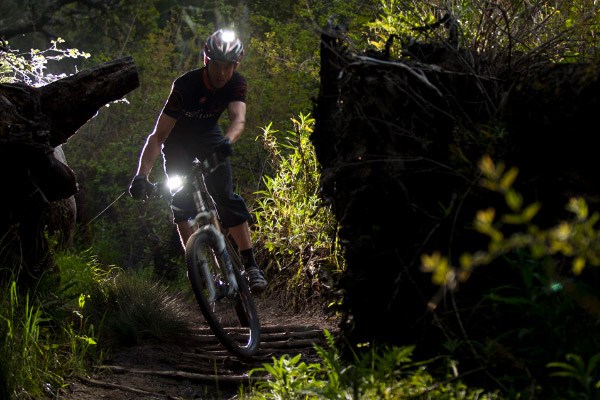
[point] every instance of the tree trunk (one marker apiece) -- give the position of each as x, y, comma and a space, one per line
399, 163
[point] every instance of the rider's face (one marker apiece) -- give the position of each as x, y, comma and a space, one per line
220, 72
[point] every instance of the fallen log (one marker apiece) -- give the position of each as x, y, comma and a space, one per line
72, 101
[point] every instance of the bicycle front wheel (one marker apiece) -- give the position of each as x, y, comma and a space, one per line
227, 306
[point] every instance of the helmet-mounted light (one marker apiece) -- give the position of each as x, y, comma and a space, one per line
228, 36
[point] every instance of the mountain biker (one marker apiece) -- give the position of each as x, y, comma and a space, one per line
187, 128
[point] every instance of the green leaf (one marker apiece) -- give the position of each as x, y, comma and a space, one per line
514, 200
508, 179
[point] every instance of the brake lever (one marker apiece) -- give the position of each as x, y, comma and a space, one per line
211, 163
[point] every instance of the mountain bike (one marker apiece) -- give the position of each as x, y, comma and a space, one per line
215, 270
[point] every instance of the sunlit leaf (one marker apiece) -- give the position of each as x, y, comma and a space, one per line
466, 261
531, 211
486, 166
578, 265
562, 232
485, 217
513, 219
579, 207
509, 178
513, 200
429, 262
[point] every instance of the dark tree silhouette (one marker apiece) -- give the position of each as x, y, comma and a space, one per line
46, 17
34, 122
402, 182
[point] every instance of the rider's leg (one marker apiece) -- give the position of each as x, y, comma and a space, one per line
235, 216
241, 235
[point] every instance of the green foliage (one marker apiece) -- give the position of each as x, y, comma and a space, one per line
291, 378
584, 374
80, 272
562, 32
387, 373
399, 18
112, 31
23, 344
53, 333
43, 335
576, 239
104, 155
509, 319
281, 65
541, 294
299, 241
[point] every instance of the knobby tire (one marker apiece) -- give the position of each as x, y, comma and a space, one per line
233, 319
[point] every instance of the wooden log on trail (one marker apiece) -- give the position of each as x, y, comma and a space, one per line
33, 123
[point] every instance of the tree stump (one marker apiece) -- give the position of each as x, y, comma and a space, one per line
403, 183
34, 122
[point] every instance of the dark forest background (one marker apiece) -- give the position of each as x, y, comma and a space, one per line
533, 312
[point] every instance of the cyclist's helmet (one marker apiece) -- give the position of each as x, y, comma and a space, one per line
223, 45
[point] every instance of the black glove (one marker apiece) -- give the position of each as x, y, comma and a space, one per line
224, 148
140, 187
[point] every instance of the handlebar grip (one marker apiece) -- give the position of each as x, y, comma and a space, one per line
212, 162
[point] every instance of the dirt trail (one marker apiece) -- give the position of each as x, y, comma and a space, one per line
197, 366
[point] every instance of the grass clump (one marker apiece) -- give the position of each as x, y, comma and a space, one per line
43, 334
296, 239
25, 360
72, 318
130, 308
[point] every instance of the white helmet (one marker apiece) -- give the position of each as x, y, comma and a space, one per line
223, 45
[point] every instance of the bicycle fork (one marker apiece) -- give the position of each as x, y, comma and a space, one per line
224, 262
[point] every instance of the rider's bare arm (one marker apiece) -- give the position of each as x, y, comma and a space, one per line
237, 120
154, 143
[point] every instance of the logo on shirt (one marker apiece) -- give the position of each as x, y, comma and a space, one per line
199, 114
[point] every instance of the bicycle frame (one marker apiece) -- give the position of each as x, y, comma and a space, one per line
219, 286
207, 218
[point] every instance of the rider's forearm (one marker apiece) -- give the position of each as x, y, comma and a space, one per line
235, 129
150, 152
237, 120
154, 143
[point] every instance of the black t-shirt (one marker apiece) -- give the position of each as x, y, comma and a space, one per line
198, 107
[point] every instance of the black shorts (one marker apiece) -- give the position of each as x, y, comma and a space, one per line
230, 206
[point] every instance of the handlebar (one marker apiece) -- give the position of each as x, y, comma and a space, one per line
205, 166
209, 164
